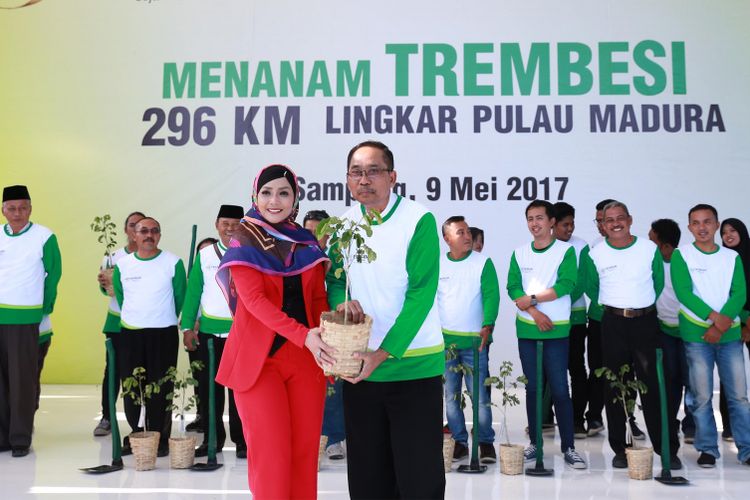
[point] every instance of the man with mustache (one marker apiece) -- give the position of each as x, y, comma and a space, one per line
625, 274
30, 269
149, 286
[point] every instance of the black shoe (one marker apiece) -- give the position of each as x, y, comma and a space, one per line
675, 463
163, 450
620, 461
707, 461
460, 452
196, 425
579, 432
241, 452
20, 451
126, 449
726, 435
487, 453
202, 450
595, 427
637, 432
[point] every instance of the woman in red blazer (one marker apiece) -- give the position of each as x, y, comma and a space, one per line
273, 275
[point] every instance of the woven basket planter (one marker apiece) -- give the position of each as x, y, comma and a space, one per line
511, 459
449, 445
181, 452
640, 463
322, 449
346, 339
144, 446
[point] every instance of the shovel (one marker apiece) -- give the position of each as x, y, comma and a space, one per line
666, 473
116, 447
538, 469
211, 463
474, 467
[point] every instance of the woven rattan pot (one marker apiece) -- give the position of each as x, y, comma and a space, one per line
449, 445
511, 459
640, 463
346, 339
322, 449
182, 452
144, 446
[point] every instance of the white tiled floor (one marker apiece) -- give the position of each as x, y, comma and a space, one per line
63, 443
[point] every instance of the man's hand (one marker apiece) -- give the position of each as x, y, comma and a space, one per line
721, 321
322, 352
542, 320
354, 311
371, 360
190, 340
485, 333
712, 335
745, 333
523, 303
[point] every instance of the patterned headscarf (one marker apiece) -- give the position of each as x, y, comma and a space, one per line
282, 249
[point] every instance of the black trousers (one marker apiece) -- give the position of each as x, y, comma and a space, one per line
115, 338
155, 349
19, 380
394, 439
235, 424
43, 349
594, 358
634, 341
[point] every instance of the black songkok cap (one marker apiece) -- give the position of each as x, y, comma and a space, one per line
231, 212
17, 192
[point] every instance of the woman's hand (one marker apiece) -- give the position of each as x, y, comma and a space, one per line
353, 309
322, 352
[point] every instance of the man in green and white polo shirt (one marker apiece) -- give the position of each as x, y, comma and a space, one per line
112, 322
204, 295
30, 269
468, 301
625, 274
150, 289
394, 409
541, 276
709, 282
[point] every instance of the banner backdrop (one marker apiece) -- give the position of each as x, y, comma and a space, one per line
170, 107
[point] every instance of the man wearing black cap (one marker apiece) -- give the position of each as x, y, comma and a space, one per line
204, 294
28, 289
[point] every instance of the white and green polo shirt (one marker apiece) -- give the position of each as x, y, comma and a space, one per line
706, 282
150, 291
577, 297
30, 269
534, 270
468, 297
204, 295
667, 305
112, 323
399, 290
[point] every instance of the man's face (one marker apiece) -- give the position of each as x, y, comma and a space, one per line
478, 244
703, 225
311, 225
600, 223
17, 212
130, 224
617, 224
369, 179
458, 237
539, 224
564, 228
147, 235
226, 228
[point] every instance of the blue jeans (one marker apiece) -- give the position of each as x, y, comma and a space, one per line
555, 366
677, 377
453, 410
333, 414
729, 358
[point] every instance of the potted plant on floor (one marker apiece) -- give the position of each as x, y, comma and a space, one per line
106, 229
182, 447
640, 459
144, 443
511, 455
347, 241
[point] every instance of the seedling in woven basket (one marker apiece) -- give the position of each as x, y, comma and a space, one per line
507, 385
136, 389
180, 402
625, 392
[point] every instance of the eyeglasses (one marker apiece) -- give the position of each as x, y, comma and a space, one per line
146, 231
619, 218
370, 173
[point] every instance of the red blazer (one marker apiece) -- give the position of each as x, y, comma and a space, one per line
258, 317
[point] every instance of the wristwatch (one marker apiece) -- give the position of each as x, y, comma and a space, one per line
533, 300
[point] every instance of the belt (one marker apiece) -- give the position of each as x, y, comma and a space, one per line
630, 313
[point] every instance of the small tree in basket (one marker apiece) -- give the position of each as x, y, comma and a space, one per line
347, 241
135, 388
625, 392
180, 402
507, 386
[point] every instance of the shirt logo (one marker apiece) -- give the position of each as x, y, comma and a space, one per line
133, 278
698, 270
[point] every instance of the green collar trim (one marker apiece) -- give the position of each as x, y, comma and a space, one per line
635, 238
542, 250
707, 253
458, 260
7, 230
147, 259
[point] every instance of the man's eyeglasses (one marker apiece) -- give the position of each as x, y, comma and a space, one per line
145, 231
371, 173
620, 219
